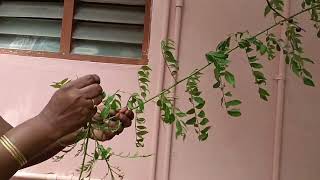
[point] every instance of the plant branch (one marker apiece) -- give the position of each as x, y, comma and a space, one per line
85, 151
236, 47
195, 115
279, 14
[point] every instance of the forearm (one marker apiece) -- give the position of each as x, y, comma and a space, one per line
51, 151
30, 138
4, 126
54, 148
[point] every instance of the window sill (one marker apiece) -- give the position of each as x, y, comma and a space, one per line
89, 58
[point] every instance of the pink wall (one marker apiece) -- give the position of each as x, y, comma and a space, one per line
239, 149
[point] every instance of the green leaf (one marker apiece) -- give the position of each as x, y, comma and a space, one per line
96, 155
202, 114
264, 97
253, 59
140, 104
203, 137
109, 100
143, 94
308, 82
287, 59
224, 45
219, 55
263, 49
172, 118
307, 73
233, 103
144, 80
191, 121
142, 74
211, 59
141, 127
105, 112
204, 121
159, 103
200, 106
234, 113
295, 68
141, 120
256, 65
267, 10
178, 129
199, 100
258, 75
263, 92
191, 111
205, 130
181, 114
228, 94
230, 78
141, 133
57, 86
64, 81
217, 85
105, 153
307, 60
146, 68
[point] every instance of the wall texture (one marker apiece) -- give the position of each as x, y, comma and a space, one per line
241, 149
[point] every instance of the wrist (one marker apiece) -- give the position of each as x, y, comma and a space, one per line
46, 123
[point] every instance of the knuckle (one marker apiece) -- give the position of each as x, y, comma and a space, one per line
98, 88
90, 78
129, 123
97, 78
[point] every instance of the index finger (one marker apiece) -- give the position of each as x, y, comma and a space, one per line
84, 81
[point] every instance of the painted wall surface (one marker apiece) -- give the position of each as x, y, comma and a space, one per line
239, 149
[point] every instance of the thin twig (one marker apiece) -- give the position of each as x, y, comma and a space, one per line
279, 14
85, 151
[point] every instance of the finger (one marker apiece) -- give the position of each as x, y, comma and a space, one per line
92, 91
102, 135
97, 100
112, 113
129, 114
120, 130
88, 103
97, 117
92, 112
108, 135
84, 81
123, 110
126, 122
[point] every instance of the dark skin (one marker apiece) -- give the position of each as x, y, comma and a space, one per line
57, 125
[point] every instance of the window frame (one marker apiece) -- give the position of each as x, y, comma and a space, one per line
66, 41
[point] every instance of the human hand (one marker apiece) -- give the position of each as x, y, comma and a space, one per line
72, 106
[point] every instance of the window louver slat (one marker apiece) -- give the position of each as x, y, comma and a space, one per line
124, 2
31, 27
109, 32
110, 49
52, 10
110, 13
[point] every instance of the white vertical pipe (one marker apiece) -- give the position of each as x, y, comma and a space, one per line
157, 114
177, 29
280, 104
